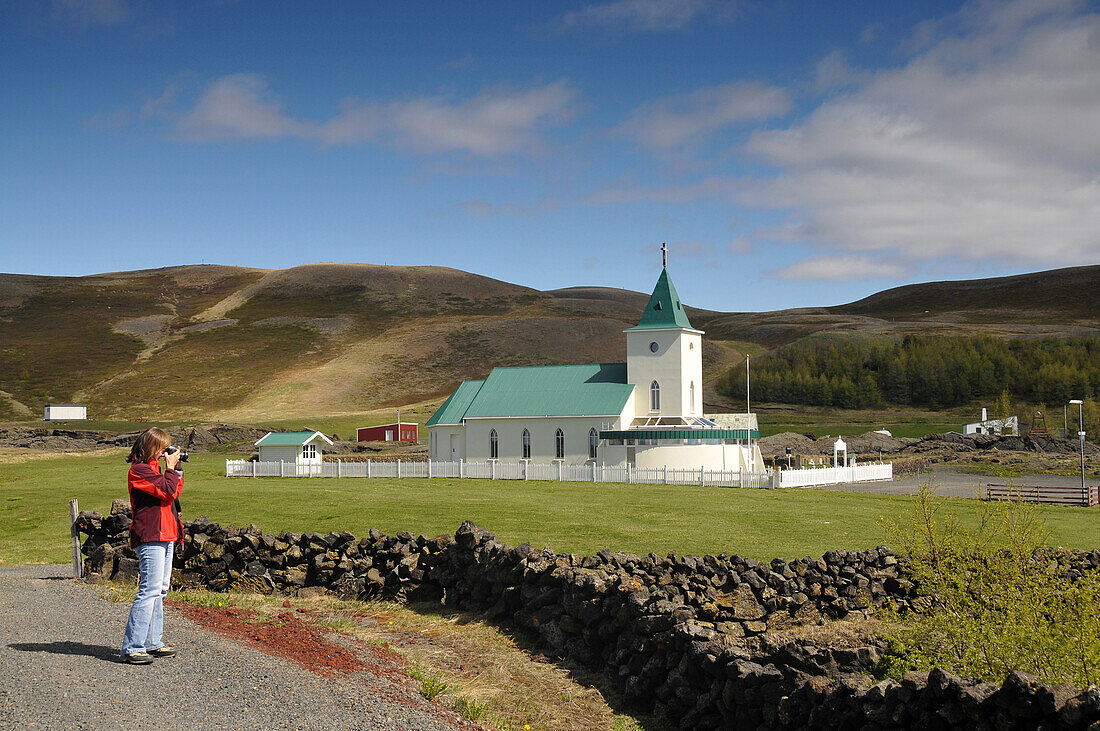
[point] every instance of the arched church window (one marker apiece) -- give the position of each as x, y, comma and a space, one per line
654, 396
526, 444
691, 396
559, 444
493, 444
593, 443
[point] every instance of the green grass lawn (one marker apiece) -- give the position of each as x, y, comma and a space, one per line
568, 517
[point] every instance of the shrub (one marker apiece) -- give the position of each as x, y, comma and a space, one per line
992, 599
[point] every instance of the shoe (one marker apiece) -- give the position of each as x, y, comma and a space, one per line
163, 651
137, 658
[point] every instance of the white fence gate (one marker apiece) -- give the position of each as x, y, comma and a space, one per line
561, 472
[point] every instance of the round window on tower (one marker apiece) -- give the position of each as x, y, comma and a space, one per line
653, 347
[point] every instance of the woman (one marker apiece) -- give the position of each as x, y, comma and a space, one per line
155, 529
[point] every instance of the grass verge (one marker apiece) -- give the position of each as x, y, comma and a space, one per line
575, 517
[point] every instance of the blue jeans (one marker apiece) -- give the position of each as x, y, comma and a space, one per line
146, 623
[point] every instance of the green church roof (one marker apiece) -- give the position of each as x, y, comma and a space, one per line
595, 389
454, 408
664, 309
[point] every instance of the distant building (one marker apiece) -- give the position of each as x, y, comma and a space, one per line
296, 447
646, 412
396, 432
66, 412
1008, 427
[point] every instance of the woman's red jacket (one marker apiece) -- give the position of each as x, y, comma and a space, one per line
153, 503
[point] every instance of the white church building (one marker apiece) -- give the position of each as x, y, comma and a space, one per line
646, 412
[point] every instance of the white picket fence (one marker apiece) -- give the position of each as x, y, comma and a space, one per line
834, 475
566, 473
503, 471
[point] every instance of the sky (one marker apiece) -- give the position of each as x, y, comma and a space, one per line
790, 153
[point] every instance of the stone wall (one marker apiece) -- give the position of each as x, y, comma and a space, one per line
711, 641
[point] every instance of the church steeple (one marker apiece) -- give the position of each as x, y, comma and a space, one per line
664, 309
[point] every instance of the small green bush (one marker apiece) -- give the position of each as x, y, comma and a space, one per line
471, 709
430, 686
993, 598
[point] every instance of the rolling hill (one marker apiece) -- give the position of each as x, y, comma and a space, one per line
205, 342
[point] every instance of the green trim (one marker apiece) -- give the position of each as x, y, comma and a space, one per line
663, 310
682, 434
289, 438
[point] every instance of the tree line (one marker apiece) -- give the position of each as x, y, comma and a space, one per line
928, 371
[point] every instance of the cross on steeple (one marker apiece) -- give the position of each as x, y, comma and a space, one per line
664, 255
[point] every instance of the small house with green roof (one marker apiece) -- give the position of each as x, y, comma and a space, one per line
296, 447
646, 412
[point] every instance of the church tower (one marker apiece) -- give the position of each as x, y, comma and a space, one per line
664, 357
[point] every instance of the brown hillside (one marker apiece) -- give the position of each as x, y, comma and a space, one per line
240, 343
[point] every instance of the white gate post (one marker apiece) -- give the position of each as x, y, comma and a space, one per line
254, 468
492, 470
559, 471
666, 474
282, 468
398, 469
460, 467
429, 466
368, 467
593, 472
339, 468
702, 476
629, 477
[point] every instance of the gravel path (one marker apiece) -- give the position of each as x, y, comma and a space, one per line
59, 668
950, 483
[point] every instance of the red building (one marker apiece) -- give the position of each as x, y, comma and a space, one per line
403, 432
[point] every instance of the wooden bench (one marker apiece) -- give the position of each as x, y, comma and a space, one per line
1045, 494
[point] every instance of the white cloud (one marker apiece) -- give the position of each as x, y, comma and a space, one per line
842, 268
648, 15
495, 122
689, 119
91, 12
476, 207
238, 107
983, 146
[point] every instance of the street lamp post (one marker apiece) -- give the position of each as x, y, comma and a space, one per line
1081, 436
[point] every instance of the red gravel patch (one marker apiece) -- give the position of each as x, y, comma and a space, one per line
287, 636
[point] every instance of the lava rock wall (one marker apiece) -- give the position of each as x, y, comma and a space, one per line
708, 641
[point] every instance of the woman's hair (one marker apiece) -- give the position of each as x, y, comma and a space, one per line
148, 443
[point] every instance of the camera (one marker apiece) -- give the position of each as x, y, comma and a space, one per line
173, 450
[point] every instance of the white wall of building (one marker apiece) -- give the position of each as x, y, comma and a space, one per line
676, 366
65, 412
730, 457
447, 443
543, 433
288, 454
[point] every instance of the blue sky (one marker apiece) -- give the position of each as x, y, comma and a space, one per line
790, 153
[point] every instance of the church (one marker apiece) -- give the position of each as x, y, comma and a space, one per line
646, 412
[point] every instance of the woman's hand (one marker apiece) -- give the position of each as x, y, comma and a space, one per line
171, 460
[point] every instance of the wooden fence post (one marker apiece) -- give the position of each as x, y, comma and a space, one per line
78, 564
